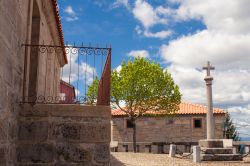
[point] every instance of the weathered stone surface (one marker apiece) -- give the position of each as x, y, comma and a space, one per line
35, 130
71, 140
221, 157
102, 153
2, 156
33, 111
166, 148
180, 148
3, 130
95, 132
84, 132
154, 149
11, 153
66, 131
218, 151
6, 27
71, 110
12, 132
73, 153
36, 153
212, 143
87, 163
4, 51
8, 70
37, 164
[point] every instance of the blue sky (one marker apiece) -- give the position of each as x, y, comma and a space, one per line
99, 22
179, 34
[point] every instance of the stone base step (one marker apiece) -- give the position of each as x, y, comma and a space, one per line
221, 157
212, 143
217, 150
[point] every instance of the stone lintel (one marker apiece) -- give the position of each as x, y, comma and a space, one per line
65, 110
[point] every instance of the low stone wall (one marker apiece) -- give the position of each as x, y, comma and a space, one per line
154, 147
64, 135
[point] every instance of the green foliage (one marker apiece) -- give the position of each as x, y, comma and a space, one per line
92, 92
229, 129
144, 86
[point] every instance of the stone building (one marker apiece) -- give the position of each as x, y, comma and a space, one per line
67, 92
155, 134
42, 134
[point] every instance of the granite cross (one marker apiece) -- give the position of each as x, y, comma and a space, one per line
208, 67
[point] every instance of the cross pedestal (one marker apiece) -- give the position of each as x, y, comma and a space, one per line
211, 146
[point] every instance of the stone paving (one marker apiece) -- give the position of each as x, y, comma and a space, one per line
146, 159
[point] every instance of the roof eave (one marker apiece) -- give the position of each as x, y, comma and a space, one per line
59, 28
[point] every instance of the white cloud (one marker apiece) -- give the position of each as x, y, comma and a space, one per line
225, 15
147, 33
225, 43
190, 83
146, 14
139, 53
70, 71
225, 51
149, 17
69, 10
71, 14
100, 3
160, 34
138, 30
240, 117
164, 11
119, 3
227, 91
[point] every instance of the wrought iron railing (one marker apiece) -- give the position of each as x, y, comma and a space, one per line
85, 64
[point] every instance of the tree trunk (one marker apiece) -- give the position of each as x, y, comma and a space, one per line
134, 135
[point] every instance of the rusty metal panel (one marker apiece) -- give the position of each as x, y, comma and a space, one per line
104, 84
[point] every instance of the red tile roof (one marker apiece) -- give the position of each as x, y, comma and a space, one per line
59, 27
185, 109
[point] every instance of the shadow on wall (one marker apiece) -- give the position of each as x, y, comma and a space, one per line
115, 162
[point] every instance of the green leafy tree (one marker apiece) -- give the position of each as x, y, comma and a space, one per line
144, 86
230, 131
93, 92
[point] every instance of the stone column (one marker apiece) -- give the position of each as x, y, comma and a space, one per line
210, 119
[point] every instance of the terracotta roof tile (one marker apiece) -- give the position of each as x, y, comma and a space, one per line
59, 27
185, 109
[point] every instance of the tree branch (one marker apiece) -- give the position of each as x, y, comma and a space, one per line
117, 103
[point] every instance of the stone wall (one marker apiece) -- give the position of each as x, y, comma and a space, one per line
153, 130
49, 62
64, 135
15, 30
13, 23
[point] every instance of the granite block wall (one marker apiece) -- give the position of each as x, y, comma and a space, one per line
151, 130
64, 135
15, 30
